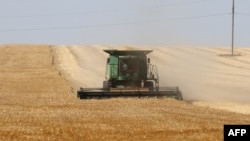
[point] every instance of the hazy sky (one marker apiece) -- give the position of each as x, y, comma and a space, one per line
124, 22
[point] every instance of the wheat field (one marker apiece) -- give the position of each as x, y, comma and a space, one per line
37, 102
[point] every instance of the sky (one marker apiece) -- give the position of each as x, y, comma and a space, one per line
124, 22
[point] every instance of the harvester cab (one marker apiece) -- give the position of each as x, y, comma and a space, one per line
130, 69
129, 73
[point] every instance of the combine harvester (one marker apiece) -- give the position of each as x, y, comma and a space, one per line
130, 74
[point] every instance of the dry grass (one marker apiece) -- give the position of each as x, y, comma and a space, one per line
36, 103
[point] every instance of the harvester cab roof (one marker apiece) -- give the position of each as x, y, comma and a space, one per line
128, 52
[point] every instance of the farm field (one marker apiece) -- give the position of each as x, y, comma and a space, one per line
38, 99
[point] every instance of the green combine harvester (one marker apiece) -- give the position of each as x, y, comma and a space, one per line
130, 74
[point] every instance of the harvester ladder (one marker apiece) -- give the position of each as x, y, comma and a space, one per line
153, 74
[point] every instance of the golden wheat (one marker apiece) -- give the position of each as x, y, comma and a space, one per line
36, 103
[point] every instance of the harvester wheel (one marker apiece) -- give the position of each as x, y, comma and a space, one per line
150, 85
106, 84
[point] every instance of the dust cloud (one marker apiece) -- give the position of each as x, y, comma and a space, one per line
200, 72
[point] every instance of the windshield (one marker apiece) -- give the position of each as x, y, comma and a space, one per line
128, 67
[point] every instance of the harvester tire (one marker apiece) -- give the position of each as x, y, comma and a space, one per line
149, 85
